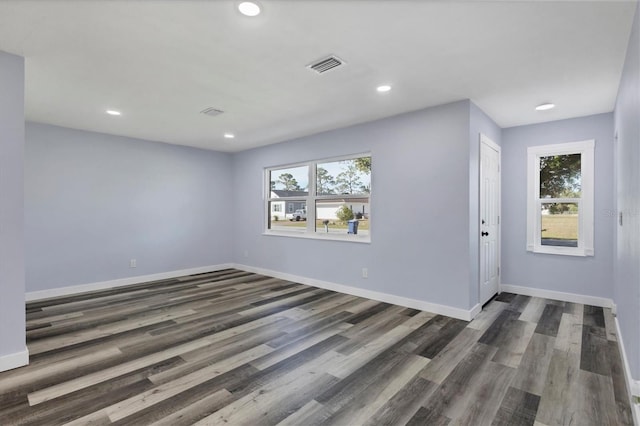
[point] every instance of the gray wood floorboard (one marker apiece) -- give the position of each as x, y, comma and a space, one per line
518, 409
532, 371
550, 320
594, 354
400, 408
235, 348
425, 416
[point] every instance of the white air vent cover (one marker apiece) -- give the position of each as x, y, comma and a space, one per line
211, 112
326, 64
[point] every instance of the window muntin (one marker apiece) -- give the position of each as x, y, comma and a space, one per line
339, 191
560, 199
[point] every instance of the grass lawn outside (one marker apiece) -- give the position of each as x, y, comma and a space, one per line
333, 224
560, 226
336, 224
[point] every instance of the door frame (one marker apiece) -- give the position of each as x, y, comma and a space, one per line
484, 139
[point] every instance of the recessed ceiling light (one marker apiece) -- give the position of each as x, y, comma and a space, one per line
545, 106
113, 112
249, 8
384, 88
229, 135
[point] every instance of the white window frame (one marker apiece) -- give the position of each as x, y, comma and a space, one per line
310, 201
585, 202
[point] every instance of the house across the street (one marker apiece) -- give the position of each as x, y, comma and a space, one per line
326, 209
279, 209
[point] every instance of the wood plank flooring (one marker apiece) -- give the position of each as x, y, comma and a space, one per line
236, 348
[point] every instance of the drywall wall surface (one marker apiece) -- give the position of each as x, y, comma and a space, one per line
419, 208
94, 202
627, 262
592, 275
12, 310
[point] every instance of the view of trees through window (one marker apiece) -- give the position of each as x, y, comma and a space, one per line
344, 177
290, 179
321, 197
560, 176
560, 193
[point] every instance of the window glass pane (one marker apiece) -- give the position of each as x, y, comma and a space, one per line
338, 198
288, 215
559, 224
351, 176
289, 182
334, 216
560, 176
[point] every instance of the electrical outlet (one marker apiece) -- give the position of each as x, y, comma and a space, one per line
133, 263
365, 273
246, 253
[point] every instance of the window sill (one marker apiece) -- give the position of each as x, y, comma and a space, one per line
563, 251
361, 239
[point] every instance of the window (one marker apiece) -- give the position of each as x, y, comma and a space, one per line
560, 199
327, 199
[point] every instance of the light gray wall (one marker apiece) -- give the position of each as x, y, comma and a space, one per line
627, 266
95, 201
12, 314
419, 205
479, 123
590, 276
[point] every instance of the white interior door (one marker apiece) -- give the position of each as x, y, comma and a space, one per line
489, 219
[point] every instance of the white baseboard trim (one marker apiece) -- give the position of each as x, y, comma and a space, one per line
633, 386
14, 360
474, 311
558, 295
463, 314
82, 288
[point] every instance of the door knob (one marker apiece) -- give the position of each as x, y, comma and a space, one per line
484, 234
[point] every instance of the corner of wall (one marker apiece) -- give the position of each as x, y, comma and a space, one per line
627, 244
12, 273
14, 360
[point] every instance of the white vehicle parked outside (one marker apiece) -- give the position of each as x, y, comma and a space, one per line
298, 215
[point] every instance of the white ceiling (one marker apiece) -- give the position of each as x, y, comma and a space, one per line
161, 62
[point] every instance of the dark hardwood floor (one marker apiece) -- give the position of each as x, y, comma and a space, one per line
236, 348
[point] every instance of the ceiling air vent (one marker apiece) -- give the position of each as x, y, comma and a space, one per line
326, 64
211, 112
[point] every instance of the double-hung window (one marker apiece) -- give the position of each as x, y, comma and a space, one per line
328, 199
560, 212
